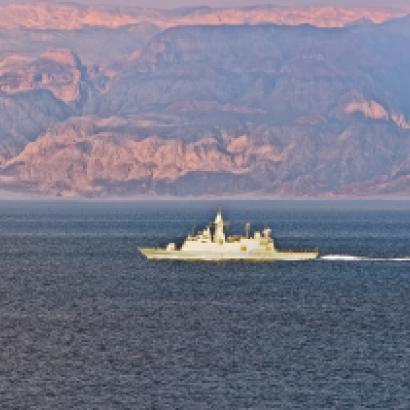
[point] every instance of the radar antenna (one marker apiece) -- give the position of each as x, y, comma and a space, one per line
247, 230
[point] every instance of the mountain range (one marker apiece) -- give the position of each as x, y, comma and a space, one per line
254, 102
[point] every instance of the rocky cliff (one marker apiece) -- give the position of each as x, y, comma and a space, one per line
58, 71
52, 16
90, 156
36, 93
251, 110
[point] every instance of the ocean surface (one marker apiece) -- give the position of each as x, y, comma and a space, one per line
87, 322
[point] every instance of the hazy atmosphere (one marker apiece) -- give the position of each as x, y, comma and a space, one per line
244, 3
250, 102
226, 3
204, 204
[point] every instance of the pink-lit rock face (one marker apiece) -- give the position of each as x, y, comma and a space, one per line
58, 17
77, 157
72, 17
370, 109
90, 156
58, 71
243, 110
316, 16
400, 120
375, 111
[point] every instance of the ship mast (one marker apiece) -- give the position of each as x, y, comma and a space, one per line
219, 236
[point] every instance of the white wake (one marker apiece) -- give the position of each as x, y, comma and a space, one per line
351, 258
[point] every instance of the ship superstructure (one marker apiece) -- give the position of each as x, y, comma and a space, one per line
212, 244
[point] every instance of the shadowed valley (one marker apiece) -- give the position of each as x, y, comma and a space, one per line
207, 109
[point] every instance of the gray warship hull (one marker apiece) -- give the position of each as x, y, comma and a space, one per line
257, 256
212, 245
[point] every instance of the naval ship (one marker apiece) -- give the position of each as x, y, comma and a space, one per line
212, 244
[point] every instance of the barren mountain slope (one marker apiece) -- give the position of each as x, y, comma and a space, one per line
51, 16
95, 45
59, 71
36, 93
287, 74
266, 110
92, 156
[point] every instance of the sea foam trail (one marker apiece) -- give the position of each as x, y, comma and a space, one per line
351, 258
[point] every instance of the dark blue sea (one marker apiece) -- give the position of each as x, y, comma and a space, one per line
87, 323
